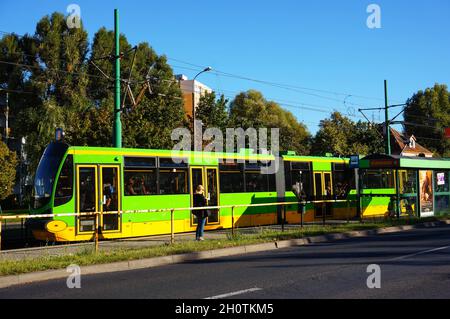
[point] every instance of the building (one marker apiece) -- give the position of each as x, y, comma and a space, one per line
404, 145
192, 90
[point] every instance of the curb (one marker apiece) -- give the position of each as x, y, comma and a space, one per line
8, 281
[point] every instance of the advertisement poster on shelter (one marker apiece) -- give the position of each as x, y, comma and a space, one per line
426, 193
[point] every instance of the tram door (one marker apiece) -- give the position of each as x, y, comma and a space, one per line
109, 193
98, 190
208, 177
87, 197
323, 190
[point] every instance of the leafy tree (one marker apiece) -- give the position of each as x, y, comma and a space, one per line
8, 163
212, 111
341, 136
251, 109
427, 114
370, 135
68, 91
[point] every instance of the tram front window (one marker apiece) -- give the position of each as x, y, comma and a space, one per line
46, 173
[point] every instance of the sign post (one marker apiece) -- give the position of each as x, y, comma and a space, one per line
354, 164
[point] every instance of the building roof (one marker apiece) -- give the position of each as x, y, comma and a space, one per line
402, 144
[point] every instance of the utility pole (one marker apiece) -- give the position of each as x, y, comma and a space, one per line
386, 116
117, 129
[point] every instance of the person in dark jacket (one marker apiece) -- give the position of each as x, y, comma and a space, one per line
200, 201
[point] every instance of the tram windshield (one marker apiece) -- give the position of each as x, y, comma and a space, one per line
46, 173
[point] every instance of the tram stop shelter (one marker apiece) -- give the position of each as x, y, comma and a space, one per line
394, 186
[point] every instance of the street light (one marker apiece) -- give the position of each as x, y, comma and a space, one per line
193, 101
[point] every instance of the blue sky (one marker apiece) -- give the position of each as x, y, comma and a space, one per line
322, 49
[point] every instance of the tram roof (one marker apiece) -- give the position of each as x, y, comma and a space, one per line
193, 156
395, 161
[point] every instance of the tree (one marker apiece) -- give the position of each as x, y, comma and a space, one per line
370, 135
57, 78
427, 114
251, 109
149, 124
67, 90
212, 111
341, 136
8, 163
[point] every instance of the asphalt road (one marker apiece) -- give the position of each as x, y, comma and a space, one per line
414, 264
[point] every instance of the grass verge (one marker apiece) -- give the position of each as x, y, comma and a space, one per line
89, 257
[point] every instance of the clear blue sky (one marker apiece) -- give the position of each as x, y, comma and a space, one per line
321, 45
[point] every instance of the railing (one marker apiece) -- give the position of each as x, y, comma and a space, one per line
97, 214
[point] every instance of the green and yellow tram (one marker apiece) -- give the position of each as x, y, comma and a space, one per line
90, 179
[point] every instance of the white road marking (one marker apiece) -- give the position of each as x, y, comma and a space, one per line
240, 292
420, 253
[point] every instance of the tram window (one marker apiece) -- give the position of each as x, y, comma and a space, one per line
140, 182
343, 180
272, 182
169, 163
149, 162
231, 177
231, 182
287, 176
378, 179
303, 166
255, 182
301, 173
64, 188
408, 182
173, 181
303, 177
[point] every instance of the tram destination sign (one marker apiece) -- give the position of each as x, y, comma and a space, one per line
384, 163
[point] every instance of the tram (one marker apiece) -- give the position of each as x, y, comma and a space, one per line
72, 179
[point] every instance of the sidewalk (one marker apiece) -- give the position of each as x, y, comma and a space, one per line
136, 243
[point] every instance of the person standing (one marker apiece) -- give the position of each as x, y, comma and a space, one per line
200, 201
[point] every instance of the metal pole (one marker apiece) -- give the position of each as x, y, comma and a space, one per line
172, 228
397, 197
358, 195
324, 212
96, 232
418, 194
386, 115
284, 218
303, 211
232, 221
194, 129
117, 111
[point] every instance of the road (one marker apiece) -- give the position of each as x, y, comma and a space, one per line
414, 264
